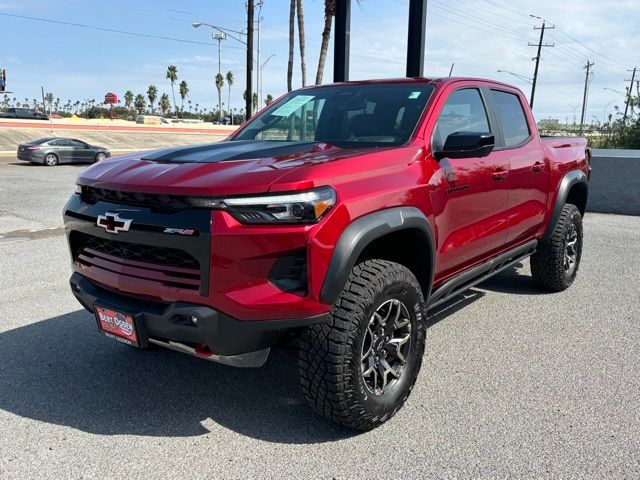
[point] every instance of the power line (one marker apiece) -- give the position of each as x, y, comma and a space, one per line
110, 30
510, 37
476, 8
474, 18
577, 55
565, 60
590, 49
512, 10
584, 45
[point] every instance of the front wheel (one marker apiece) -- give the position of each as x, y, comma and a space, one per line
555, 264
358, 369
100, 156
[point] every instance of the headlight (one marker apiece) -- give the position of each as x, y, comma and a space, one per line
293, 208
78, 190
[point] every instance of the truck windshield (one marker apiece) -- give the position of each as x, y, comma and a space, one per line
348, 116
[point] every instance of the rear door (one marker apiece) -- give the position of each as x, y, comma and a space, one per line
468, 197
528, 180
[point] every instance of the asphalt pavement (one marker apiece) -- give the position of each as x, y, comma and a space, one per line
515, 383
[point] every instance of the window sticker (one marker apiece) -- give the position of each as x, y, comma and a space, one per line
414, 95
292, 105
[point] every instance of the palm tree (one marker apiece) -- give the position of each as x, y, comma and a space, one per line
164, 103
172, 76
303, 63
128, 99
229, 78
152, 94
140, 103
292, 28
184, 91
219, 85
269, 99
329, 12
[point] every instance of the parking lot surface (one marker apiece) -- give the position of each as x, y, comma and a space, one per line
515, 382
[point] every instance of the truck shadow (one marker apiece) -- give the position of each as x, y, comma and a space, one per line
62, 371
514, 280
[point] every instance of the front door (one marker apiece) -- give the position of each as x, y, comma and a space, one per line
467, 194
81, 151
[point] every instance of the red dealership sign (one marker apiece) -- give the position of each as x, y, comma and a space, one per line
110, 98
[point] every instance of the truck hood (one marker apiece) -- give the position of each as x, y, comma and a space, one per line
223, 168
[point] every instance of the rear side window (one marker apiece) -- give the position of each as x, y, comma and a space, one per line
511, 117
464, 111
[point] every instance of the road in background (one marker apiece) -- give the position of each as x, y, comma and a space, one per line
515, 383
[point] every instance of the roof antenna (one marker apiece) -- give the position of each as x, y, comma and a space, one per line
451, 69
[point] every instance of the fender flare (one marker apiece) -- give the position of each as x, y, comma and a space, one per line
570, 179
360, 233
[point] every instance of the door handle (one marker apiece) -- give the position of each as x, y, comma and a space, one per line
538, 167
500, 174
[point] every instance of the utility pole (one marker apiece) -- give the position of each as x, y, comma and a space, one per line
587, 68
250, 8
626, 105
537, 58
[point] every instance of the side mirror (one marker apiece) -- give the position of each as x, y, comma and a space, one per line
466, 145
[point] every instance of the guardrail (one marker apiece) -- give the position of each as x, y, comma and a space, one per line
615, 182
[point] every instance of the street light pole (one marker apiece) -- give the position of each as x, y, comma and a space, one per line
227, 32
517, 75
219, 37
250, 9
261, 68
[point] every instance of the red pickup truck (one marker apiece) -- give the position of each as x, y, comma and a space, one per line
337, 216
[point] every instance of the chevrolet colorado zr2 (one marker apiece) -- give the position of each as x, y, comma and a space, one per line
338, 215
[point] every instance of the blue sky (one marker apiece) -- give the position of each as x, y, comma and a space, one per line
479, 36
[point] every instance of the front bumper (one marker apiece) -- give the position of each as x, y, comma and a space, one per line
215, 336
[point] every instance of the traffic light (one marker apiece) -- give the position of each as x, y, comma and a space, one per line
3, 80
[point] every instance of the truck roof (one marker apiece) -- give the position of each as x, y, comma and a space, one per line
435, 80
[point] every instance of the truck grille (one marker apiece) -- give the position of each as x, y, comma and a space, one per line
168, 266
161, 202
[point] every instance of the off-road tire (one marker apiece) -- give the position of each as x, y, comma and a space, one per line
330, 359
548, 263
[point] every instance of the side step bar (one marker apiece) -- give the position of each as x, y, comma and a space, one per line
476, 275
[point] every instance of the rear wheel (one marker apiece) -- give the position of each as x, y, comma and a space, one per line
555, 264
359, 369
50, 159
100, 156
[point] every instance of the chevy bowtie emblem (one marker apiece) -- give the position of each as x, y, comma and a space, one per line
112, 222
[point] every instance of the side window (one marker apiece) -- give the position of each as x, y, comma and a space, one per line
464, 111
511, 117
